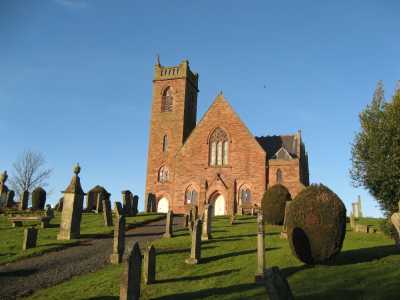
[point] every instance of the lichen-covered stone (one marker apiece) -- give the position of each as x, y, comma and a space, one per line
316, 225
274, 203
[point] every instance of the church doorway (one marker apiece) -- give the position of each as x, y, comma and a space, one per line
218, 205
163, 205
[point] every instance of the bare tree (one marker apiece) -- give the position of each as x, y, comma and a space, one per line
29, 172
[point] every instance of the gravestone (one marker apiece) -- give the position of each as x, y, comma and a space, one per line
23, 202
10, 199
93, 201
206, 232
30, 238
70, 226
38, 199
130, 282
49, 211
119, 210
107, 213
59, 206
149, 270
195, 251
260, 249
232, 219
277, 285
284, 228
186, 221
127, 202
3, 189
169, 222
135, 202
119, 240
151, 203
395, 219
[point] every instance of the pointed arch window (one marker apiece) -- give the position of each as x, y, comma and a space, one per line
245, 195
165, 143
279, 176
191, 196
163, 174
167, 100
219, 148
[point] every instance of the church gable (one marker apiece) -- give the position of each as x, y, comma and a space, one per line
221, 115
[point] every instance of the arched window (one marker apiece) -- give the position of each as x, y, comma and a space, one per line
163, 174
219, 148
167, 100
245, 195
191, 196
279, 176
165, 143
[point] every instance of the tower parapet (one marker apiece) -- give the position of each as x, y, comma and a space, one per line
175, 72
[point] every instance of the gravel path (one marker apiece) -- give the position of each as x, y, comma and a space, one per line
25, 276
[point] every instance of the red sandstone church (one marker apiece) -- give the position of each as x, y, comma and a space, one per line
216, 160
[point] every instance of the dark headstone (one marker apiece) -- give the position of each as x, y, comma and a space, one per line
150, 265
107, 213
130, 282
169, 222
10, 199
119, 210
277, 285
135, 202
30, 238
186, 221
24, 198
127, 202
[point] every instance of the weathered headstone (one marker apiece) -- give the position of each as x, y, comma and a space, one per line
232, 219
277, 285
186, 221
149, 270
3, 189
38, 198
24, 198
206, 232
135, 202
30, 238
119, 210
130, 282
195, 251
127, 202
59, 206
99, 202
93, 201
107, 213
260, 249
284, 228
395, 219
49, 211
119, 240
70, 226
151, 203
169, 222
10, 199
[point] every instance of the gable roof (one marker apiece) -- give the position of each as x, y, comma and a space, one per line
272, 144
220, 99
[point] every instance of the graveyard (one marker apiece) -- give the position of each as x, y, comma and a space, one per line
365, 269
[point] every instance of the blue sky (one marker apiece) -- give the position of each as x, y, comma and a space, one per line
76, 78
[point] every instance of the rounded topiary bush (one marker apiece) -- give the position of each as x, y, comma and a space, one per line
273, 204
38, 198
316, 225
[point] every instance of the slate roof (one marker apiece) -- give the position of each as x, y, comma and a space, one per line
272, 144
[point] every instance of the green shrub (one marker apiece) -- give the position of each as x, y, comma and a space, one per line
273, 204
316, 225
38, 198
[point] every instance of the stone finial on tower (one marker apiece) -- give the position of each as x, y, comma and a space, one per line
158, 60
77, 169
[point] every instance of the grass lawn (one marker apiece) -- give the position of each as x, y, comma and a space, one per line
92, 225
367, 268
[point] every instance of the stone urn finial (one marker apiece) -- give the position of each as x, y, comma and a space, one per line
77, 169
3, 177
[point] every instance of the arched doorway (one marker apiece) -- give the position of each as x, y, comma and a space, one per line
218, 205
163, 205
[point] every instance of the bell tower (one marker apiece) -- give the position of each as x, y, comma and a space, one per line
173, 117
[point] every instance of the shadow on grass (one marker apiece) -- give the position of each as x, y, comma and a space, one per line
144, 234
97, 236
336, 294
237, 288
364, 255
240, 236
198, 277
103, 298
19, 273
185, 250
289, 271
230, 254
219, 240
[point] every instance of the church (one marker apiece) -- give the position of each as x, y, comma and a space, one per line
216, 160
